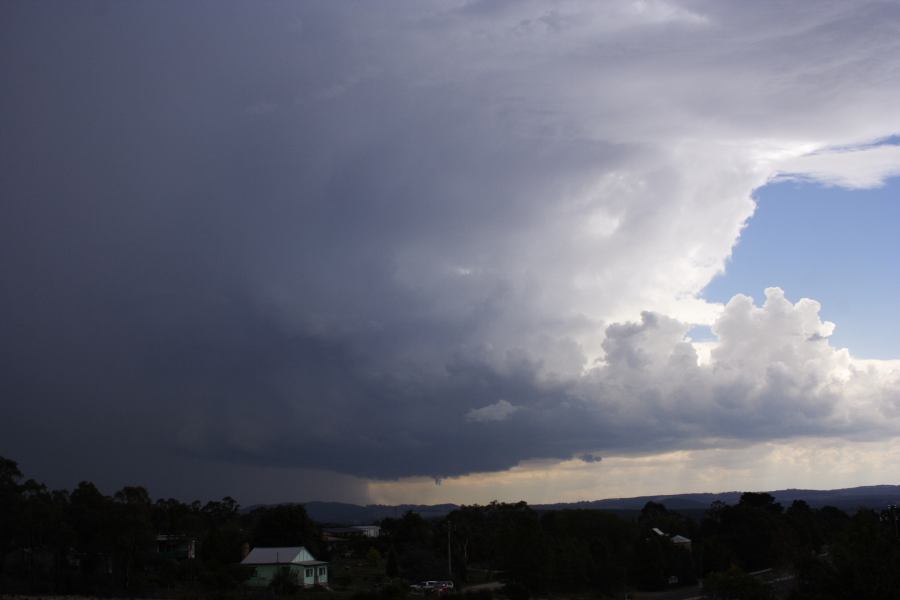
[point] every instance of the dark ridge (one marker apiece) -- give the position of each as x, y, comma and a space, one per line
848, 499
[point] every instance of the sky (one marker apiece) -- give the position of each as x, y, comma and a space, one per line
843, 251
420, 251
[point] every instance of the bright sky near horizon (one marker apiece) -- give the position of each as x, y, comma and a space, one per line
450, 251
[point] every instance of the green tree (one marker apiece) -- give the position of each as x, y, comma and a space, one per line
519, 543
391, 567
751, 534
863, 562
94, 533
734, 584
134, 539
10, 507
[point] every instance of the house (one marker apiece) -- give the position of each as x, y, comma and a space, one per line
679, 540
682, 542
337, 537
354, 531
297, 561
371, 531
179, 547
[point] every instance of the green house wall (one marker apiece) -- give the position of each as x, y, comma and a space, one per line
263, 574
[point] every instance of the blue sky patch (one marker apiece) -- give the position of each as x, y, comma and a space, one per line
840, 247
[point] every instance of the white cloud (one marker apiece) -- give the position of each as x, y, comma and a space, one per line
856, 168
771, 374
552, 189
498, 411
599, 158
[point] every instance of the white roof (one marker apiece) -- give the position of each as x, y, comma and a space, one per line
271, 556
680, 539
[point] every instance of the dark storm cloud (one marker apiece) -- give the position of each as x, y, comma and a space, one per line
154, 209
377, 242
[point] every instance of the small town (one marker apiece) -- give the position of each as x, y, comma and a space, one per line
82, 542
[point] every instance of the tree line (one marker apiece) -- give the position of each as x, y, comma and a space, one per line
823, 553
84, 542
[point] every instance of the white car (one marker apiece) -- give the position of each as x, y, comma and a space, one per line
433, 585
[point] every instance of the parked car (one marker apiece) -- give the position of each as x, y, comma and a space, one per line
433, 586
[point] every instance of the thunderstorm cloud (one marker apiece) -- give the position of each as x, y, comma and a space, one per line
418, 238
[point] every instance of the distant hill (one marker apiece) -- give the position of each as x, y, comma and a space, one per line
848, 499
353, 514
874, 496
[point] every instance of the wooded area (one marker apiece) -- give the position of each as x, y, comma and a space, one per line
84, 542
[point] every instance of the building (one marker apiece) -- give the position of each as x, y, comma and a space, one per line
179, 547
679, 540
369, 531
302, 566
338, 539
682, 542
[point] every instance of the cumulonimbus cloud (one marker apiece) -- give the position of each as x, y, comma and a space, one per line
328, 237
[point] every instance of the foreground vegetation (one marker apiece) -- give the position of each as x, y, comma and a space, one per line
84, 542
